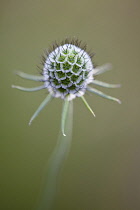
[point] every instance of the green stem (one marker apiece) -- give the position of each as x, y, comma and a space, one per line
56, 162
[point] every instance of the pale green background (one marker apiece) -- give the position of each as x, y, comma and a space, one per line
102, 171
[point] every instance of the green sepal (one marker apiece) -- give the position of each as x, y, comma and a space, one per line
29, 76
29, 89
87, 105
99, 93
42, 105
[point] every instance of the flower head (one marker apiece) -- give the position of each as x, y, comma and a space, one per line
67, 72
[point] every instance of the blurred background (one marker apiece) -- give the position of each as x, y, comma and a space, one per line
102, 170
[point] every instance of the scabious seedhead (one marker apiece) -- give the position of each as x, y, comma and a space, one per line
67, 70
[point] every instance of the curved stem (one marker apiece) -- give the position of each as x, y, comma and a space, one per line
56, 162
64, 115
